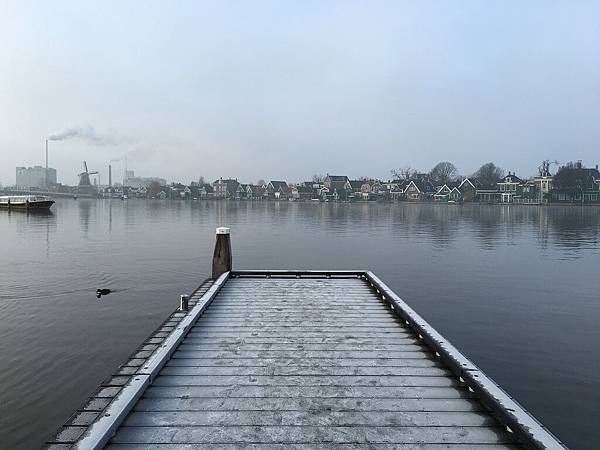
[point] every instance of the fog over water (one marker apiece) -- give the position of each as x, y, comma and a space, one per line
514, 287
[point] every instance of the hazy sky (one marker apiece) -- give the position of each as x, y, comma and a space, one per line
285, 89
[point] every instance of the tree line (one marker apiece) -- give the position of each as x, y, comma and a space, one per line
444, 172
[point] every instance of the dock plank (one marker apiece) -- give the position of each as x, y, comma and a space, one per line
311, 446
304, 434
307, 391
305, 370
192, 345
309, 404
306, 334
303, 380
306, 354
296, 362
308, 418
290, 340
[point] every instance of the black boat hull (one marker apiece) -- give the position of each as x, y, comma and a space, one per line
33, 206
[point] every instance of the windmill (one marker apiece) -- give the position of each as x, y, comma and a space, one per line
85, 186
84, 177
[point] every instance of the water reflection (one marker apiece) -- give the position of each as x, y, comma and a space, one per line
110, 216
493, 225
569, 228
85, 208
471, 270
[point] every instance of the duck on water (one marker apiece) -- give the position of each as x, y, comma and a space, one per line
27, 202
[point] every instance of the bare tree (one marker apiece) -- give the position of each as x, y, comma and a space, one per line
201, 181
489, 174
443, 172
570, 165
261, 182
404, 173
318, 178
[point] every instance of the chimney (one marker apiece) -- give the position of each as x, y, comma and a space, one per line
109, 175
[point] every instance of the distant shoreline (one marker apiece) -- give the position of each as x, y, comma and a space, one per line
355, 202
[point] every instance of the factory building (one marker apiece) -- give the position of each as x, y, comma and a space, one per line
130, 180
35, 177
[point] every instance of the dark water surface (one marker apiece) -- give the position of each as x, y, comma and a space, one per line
515, 288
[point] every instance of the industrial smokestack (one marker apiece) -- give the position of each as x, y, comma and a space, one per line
109, 176
46, 153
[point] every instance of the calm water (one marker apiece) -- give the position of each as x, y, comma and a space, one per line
516, 288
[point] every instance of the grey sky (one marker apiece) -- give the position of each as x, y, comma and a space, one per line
258, 89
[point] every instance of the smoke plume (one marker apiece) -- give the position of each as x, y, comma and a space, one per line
89, 135
139, 153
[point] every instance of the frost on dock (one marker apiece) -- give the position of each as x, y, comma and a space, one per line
299, 359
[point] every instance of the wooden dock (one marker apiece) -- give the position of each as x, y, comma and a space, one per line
301, 359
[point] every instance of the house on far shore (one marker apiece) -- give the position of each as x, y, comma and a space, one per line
335, 194
302, 192
468, 189
486, 193
396, 189
460, 191
225, 188
277, 190
255, 192
206, 190
529, 193
336, 188
198, 190
241, 193
376, 189
443, 192
332, 182
419, 190
356, 188
364, 189
509, 188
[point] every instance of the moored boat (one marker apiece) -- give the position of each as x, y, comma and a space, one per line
28, 202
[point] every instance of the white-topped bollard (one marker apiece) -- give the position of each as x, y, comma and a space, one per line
222, 254
184, 303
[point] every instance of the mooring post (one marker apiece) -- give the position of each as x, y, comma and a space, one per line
222, 256
184, 302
